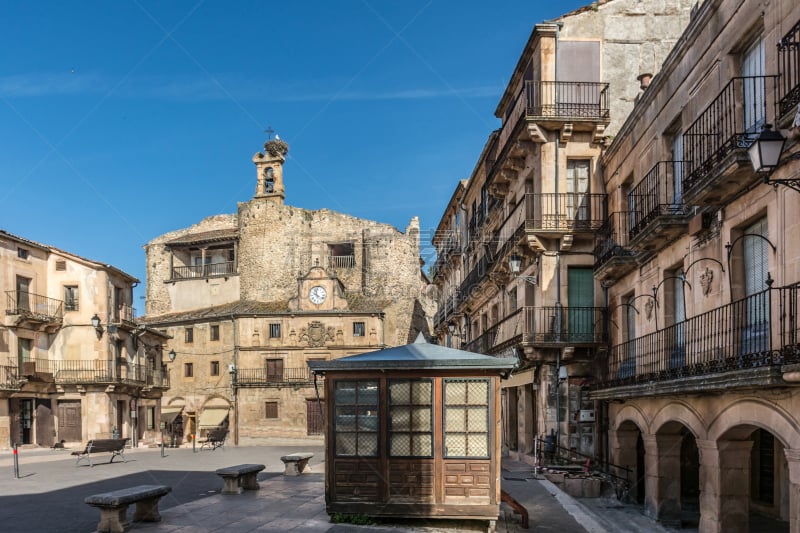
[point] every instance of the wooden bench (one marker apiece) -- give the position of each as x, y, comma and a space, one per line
239, 477
215, 439
115, 446
516, 506
114, 506
296, 463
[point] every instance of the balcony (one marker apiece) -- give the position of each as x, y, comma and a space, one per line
500, 336
93, 372
260, 377
34, 309
342, 261
211, 270
613, 254
562, 213
446, 308
124, 317
789, 68
739, 345
657, 211
9, 377
558, 326
715, 146
474, 279
567, 101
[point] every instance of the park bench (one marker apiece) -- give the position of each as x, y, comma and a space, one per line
115, 446
296, 463
215, 439
114, 506
239, 477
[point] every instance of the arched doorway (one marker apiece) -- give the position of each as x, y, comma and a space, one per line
674, 497
627, 451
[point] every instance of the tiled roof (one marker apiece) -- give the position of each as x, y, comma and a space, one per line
216, 235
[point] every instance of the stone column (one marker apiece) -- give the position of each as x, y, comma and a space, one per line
662, 466
793, 458
622, 447
724, 486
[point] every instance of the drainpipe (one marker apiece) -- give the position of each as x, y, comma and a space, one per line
234, 391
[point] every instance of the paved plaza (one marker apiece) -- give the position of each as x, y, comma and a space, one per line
49, 495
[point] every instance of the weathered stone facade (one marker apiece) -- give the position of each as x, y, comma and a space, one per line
61, 378
699, 387
537, 194
283, 285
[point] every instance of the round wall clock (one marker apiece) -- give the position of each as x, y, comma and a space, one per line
317, 294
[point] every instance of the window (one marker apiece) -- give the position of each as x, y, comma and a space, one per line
342, 255
754, 90
151, 418
275, 331
274, 369
188, 370
189, 335
577, 186
214, 368
410, 417
215, 333
61, 265
22, 253
355, 418
466, 418
270, 409
358, 329
512, 300
70, 298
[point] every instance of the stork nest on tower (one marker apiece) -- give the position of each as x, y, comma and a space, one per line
276, 147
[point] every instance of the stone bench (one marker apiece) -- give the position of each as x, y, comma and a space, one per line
239, 477
296, 463
114, 506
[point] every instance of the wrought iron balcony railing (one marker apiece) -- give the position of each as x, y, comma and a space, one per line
758, 331
789, 70
730, 123
96, 371
447, 307
658, 196
558, 325
566, 99
611, 243
210, 270
499, 336
9, 377
249, 377
124, 315
474, 278
565, 212
342, 261
34, 306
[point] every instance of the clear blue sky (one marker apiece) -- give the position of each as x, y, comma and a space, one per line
123, 120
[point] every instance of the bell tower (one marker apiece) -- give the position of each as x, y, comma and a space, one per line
269, 170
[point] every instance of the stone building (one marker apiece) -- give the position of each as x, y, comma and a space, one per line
699, 390
250, 298
515, 243
75, 364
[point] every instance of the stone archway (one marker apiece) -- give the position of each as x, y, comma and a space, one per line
626, 448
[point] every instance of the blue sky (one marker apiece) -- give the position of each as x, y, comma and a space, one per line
123, 120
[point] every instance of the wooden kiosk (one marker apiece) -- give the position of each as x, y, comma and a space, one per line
413, 431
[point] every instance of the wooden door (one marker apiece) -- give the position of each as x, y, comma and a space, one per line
45, 430
69, 421
580, 302
313, 417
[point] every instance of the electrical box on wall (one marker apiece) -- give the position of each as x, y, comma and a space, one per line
586, 415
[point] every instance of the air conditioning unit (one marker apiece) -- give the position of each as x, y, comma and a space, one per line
586, 415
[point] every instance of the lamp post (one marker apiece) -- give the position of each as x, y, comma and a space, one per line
97, 325
514, 264
765, 156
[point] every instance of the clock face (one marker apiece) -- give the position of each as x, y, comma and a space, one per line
317, 294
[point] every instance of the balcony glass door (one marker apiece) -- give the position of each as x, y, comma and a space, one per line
754, 97
755, 335
580, 302
577, 189
23, 294
677, 171
678, 354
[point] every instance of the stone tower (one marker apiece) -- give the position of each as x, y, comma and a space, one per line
269, 170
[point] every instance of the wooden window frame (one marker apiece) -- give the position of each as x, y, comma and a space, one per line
353, 410
271, 410
465, 407
412, 407
188, 370
213, 332
188, 335
214, 368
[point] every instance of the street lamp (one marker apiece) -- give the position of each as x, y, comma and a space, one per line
514, 264
98, 327
172, 355
765, 156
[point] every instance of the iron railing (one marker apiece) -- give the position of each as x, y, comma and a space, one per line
9, 377
263, 377
567, 99
34, 306
612, 240
498, 336
446, 308
658, 194
565, 325
789, 70
730, 122
204, 271
124, 314
758, 331
581, 212
95, 371
474, 278
342, 261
